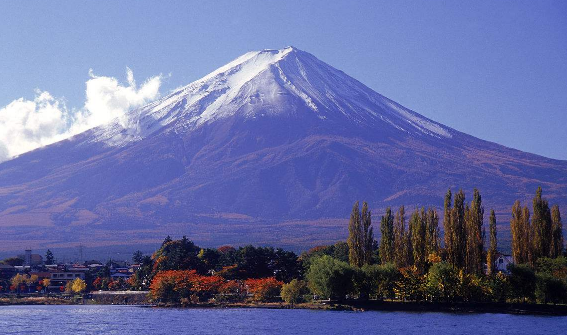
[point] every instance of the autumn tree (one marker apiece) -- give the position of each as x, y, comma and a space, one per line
474, 235
387, 239
432, 243
402, 241
458, 230
264, 289
527, 238
448, 228
541, 227
78, 285
368, 233
517, 233
361, 236
556, 232
418, 239
355, 245
493, 244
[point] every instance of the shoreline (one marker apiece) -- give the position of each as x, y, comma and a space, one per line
354, 306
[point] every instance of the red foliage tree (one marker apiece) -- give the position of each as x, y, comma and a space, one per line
264, 289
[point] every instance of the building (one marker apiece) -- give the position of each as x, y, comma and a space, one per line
61, 278
32, 259
502, 262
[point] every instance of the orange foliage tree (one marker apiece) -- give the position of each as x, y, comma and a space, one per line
264, 289
174, 285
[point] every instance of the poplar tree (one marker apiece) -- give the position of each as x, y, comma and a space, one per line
387, 239
360, 236
402, 240
417, 228
474, 235
557, 232
517, 233
368, 234
459, 238
432, 244
527, 236
493, 246
354, 241
448, 228
541, 227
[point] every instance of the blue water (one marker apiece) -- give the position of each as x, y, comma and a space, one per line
141, 320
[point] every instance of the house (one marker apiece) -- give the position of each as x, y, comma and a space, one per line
61, 278
502, 262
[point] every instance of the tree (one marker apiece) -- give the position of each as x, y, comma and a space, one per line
516, 231
448, 229
330, 278
368, 233
527, 238
418, 239
522, 282
294, 291
49, 258
458, 229
550, 289
493, 247
264, 289
443, 282
474, 235
361, 236
387, 238
78, 285
556, 233
402, 242
541, 227
432, 243
355, 255
137, 257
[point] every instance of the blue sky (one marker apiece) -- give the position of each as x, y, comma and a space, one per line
494, 69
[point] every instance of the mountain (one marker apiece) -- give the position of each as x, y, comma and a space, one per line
273, 147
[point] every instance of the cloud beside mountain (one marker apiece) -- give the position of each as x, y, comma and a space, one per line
26, 125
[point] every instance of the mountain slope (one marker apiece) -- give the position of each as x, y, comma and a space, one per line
273, 137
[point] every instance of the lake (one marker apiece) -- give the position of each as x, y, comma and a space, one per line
99, 319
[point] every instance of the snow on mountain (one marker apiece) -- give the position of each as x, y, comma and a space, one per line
268, 83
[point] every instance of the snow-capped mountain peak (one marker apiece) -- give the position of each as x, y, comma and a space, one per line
286, 83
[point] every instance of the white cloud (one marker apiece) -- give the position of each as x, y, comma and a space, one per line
29, 124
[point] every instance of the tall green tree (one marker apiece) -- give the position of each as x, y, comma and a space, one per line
557, 232
418, 239
527, 238
432, 243
474, 235
387, 238
402, 242
368, 234
493, 244
448, 228
517, 233
355, 243
541, 227
458, 227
